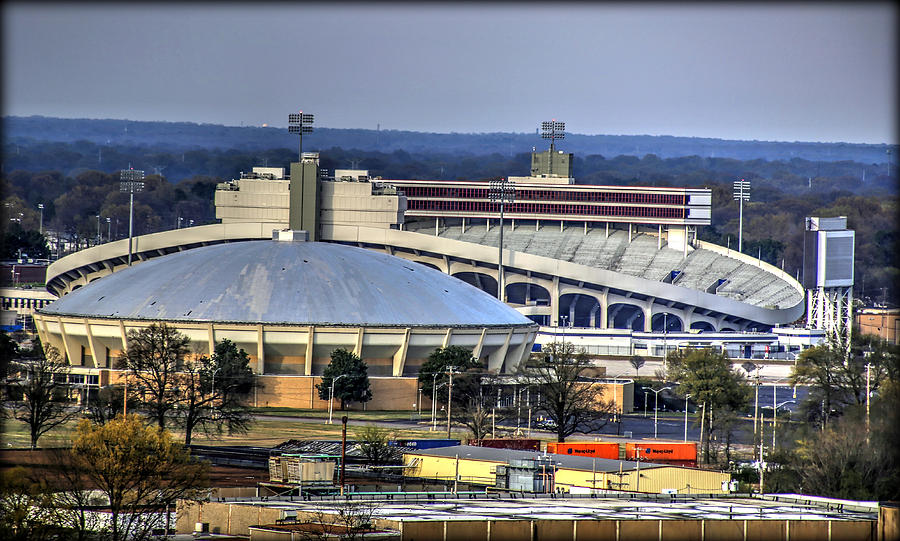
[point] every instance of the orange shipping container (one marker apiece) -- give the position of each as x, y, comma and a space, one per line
661, 451
593, 449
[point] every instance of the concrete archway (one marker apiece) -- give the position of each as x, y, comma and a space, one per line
482, 281
670, 321
703, 326
523, 292
626, 316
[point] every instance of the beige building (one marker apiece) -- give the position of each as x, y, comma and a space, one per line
570, 474
882, 322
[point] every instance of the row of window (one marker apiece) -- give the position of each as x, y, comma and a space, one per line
16, 302
548, 195
545, 208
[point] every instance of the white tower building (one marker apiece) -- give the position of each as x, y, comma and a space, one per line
828, 249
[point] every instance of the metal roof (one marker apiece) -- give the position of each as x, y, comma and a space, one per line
583, 463
290, 283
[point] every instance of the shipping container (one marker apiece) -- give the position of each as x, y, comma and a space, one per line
596, 449
519, 444
424, 443
661, 451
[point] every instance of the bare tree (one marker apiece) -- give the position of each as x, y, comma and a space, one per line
637, 362
153, 359
39, 390
571, 401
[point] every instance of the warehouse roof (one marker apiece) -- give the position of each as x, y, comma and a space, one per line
267, 281
584, 463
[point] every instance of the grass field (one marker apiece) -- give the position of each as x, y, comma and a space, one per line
264, 432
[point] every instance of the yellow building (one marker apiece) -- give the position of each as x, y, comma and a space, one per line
570, 474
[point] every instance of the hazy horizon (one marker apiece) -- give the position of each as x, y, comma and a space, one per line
764, 72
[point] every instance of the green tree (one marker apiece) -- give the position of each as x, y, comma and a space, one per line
23, 513
374, 443
213, 392
707, 375
154, 357
837, 377
435, 369
40, 393
351, 379
571, 401
140, 471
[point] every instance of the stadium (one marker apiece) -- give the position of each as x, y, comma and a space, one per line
618, 262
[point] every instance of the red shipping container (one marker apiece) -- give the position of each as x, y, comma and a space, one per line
662, 452
596, 449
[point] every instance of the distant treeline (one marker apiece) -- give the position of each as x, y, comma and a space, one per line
77, 181
183, 136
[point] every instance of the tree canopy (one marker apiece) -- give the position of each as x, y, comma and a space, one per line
708, 376
350, 376
141, 471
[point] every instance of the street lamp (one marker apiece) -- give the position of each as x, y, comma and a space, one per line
98, 229
685, 415
41, 208
775, 416
108, 229
502, 191
331, 402
656, 408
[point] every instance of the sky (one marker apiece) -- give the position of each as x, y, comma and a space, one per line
750, 71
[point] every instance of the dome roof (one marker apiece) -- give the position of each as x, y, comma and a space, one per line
287, 282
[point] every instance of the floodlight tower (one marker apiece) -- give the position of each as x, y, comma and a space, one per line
741, 193
300, 123
502, 191
131, 181
553, 130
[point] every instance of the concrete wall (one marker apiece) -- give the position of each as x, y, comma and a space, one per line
235, 519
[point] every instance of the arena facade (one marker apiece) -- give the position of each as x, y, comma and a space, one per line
289, 304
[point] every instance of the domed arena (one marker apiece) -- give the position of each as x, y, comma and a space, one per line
289, 305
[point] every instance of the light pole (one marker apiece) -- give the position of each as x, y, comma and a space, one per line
775, 416
131, 182
502, 191
434, 405
685, 415
449, 400
741, 193
665, 343
98, 229
656, 408
331, 402
41, 208
750, 367
108, 229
